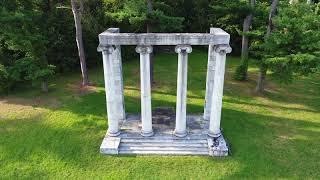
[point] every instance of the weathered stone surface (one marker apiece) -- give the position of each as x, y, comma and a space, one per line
164, 142
217, 37
220, 52
112, 68
110, 145
209, 80
181, 106
164, 116
190, 136
146, 112
218, 147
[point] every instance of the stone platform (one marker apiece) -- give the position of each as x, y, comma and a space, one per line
163, 142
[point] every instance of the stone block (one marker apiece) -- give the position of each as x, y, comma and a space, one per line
218, 147
110, 145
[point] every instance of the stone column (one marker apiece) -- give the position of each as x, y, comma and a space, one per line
119, 79
181, 119
210, 80
112, 78
220, 52
146, 113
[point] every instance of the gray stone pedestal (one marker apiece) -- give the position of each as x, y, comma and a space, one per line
164, 142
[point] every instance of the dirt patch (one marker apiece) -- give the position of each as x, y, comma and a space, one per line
81, 90
12, 108
16, 104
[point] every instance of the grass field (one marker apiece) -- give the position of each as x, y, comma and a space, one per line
58, 135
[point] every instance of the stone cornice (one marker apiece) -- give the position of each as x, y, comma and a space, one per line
109, 37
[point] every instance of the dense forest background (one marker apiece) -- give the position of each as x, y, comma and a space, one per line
37, 37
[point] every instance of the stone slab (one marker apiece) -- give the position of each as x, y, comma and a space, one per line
218, 147
109, 38
110, 145
164, 142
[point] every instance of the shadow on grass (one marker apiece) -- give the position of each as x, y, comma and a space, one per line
241, 102
263, 146
267, 144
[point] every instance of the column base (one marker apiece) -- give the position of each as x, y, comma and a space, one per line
113, 134
206, 117
147, 134
218, 147
214, 135
180, 134
110, 145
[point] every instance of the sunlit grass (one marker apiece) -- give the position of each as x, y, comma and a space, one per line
58, 135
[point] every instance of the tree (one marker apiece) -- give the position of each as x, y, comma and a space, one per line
77, 10
292, 43
228, 15
22, 35
263, 67
242, 69
144, 16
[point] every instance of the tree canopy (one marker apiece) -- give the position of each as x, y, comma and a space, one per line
37, 38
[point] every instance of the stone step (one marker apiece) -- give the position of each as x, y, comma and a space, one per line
164, 144
162, 148
143, 152
155, 140
127, 135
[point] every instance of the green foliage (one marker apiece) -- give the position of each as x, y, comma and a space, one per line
135, 16
23, 34
57, 135
230, 14
241, 71
23, 70
293, 47
29, 69
38, 32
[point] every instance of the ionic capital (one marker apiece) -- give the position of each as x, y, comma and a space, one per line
223, 48
183, 48
144, 49
107, 49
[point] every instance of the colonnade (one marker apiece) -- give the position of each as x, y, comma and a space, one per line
214, 86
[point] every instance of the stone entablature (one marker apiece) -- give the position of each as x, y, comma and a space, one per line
110, 37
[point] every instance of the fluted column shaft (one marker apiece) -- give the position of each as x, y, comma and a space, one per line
114, 99
146, 111
209, 80
217, 92
181, 121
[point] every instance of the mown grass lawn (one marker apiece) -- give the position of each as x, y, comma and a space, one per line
58, 135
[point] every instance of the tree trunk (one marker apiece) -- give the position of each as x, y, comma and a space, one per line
44, 62
261, 79
245, 42
149, 30
44, 86
273, 11
263, 67
245, 38
77, 10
